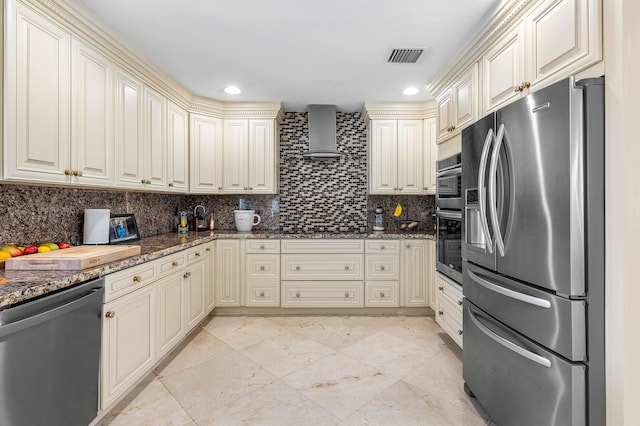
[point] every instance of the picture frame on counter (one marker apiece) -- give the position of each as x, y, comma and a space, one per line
123, 227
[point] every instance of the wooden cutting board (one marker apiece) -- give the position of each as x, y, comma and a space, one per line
72, 258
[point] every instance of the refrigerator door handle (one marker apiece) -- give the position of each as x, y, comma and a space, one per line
508, 344
482, 196
493, 176
510, 293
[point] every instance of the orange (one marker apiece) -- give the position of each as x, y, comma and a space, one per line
43, 249
4, 255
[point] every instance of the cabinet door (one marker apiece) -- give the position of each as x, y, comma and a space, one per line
383, 153
37, 104
210, 301
171, 324
414, 279
564, 36
503, 68
430, 150
410, 157
465, 99
128, 342
195, 279
431, 253
129, 131
177, 148
205, 141
262, 157
92, 139
228, 273
155, 137
235, 150
444, 115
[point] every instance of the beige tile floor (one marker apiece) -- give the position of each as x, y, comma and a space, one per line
286, 370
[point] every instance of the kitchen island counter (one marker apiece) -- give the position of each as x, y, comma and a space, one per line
20, 286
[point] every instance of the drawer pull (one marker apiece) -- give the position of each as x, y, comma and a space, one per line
440, 313
460, 332
382, 267
262, 294
110, 314
441, 288
262, 267
261, 246
346, 295
136, 278
460, 302
346, 267
382, 294
174, 263
297, 268
298, 294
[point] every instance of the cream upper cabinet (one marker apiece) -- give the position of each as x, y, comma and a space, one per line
177, 148
396, 157
415, 275
250, 153
457, 106
37, 98
430, 150
129, 130
563, 37
92, 132
155, 140
205, 141
503, 67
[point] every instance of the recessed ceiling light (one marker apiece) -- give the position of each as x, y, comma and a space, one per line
232, 90
411, 90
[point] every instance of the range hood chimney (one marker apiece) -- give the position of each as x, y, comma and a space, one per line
322, 132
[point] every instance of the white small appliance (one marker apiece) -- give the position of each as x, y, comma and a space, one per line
96, 226
246, 220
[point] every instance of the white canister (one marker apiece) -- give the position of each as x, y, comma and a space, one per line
246, 219
96, 226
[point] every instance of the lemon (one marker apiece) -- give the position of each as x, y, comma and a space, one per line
43, 249
4, 255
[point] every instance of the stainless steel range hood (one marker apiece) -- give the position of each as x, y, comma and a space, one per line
322, 132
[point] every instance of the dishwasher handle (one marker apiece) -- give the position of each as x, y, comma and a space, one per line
14, 327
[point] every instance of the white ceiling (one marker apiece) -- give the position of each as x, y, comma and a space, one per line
298, 52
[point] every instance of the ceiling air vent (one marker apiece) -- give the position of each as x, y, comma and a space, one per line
404, 56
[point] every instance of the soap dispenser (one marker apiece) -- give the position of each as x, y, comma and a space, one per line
378, 224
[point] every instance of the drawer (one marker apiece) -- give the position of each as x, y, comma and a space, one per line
262, 246
449, 317
196, 253
262, 266
382, 246
449, 289
123, 282
263, 293
322, 294
322, 246
169, 264
381, 294
322, 267
382, 267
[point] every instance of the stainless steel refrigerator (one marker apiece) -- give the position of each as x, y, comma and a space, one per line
533, 257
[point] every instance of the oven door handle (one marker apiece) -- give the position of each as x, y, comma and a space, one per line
457, 171
449, 215
508, 344
482, 196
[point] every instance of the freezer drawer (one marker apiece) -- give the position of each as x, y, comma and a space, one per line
555, 322
517, 381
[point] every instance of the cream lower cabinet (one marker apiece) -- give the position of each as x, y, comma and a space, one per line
449, 307
382, 273
262, 273
195, 277
228, 273
210, 300
171, 321
415, 274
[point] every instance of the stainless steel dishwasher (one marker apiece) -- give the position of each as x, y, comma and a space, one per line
49, 358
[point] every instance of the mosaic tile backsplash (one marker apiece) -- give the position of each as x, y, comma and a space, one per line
315, 196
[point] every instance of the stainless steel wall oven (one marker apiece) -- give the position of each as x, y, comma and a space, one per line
449, 217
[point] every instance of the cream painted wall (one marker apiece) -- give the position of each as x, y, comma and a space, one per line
622, 62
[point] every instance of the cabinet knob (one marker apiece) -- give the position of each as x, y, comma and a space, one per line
197, 254
208, 249
174, 263
407, 245
136, 278
400, 189
441, 288
262, 294
297, 268
460, 332
77, 173
440, 313
250, 189
219, 188
262, 267
382, 247
526, 85
346, 267
382, 294
460, 302
518, 89
261, 246
170, 184
110, 314
67, 172
245, 188
346, 295
143, 181
187, 275
382, 267
297, 294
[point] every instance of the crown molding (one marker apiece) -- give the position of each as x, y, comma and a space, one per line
398, 111
220, 109
506, 15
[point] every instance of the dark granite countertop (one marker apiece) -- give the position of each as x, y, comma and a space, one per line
20, 286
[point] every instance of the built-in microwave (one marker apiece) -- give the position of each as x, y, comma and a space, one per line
449, 243
449, 183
